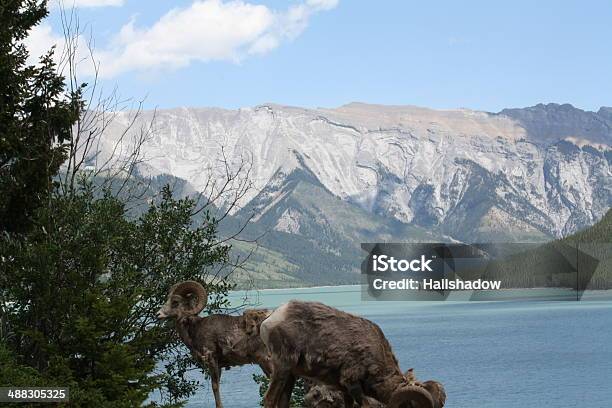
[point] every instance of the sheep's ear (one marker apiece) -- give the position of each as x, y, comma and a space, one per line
436, 389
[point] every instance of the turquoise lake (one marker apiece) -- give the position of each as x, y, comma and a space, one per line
487, 354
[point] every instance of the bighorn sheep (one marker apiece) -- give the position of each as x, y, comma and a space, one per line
338, 349
324, 396
217, 341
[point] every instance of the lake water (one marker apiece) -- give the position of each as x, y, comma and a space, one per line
487, 354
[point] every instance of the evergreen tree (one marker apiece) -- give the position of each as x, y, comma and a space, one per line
36, 116
83, 289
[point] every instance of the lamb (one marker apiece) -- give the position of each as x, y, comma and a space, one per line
337, 349
217, 341
324, 396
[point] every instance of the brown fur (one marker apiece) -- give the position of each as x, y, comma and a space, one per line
323, 396
225, 337
218, 341
437, 392
435, 388
253, 319
328, 346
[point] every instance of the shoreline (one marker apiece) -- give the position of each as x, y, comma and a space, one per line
454, 290
297, 287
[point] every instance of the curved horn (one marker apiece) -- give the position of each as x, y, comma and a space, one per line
418, 396
194, 288
437, 392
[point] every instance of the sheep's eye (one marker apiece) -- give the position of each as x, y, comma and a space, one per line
174, 304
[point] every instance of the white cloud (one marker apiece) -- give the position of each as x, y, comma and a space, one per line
289, 24
40, 40
207, 30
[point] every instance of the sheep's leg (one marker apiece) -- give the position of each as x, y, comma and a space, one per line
277, 389
273, 393
208, 360
215, 379
269, 400
285, 397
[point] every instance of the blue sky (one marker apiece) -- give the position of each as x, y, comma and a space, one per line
443, 54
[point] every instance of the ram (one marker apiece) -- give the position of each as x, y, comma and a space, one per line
343, 351
217, 341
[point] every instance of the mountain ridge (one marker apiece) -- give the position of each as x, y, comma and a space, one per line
537, 172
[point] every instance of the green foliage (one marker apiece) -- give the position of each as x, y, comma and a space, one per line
11, 372
297, 397
543, 266
36, 117
83, 288
15, 374
600, 233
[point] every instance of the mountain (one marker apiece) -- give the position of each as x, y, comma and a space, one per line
313, 235
552, 122
328, 179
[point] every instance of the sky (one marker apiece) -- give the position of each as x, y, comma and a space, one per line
485, 55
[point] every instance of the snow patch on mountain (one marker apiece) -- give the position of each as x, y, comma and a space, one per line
289, 221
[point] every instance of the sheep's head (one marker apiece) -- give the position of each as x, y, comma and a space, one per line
435, 388
437, 392
184, 299
253, 319
411, 396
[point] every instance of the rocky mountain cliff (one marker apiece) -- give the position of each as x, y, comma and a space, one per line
328, 179
519, 174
